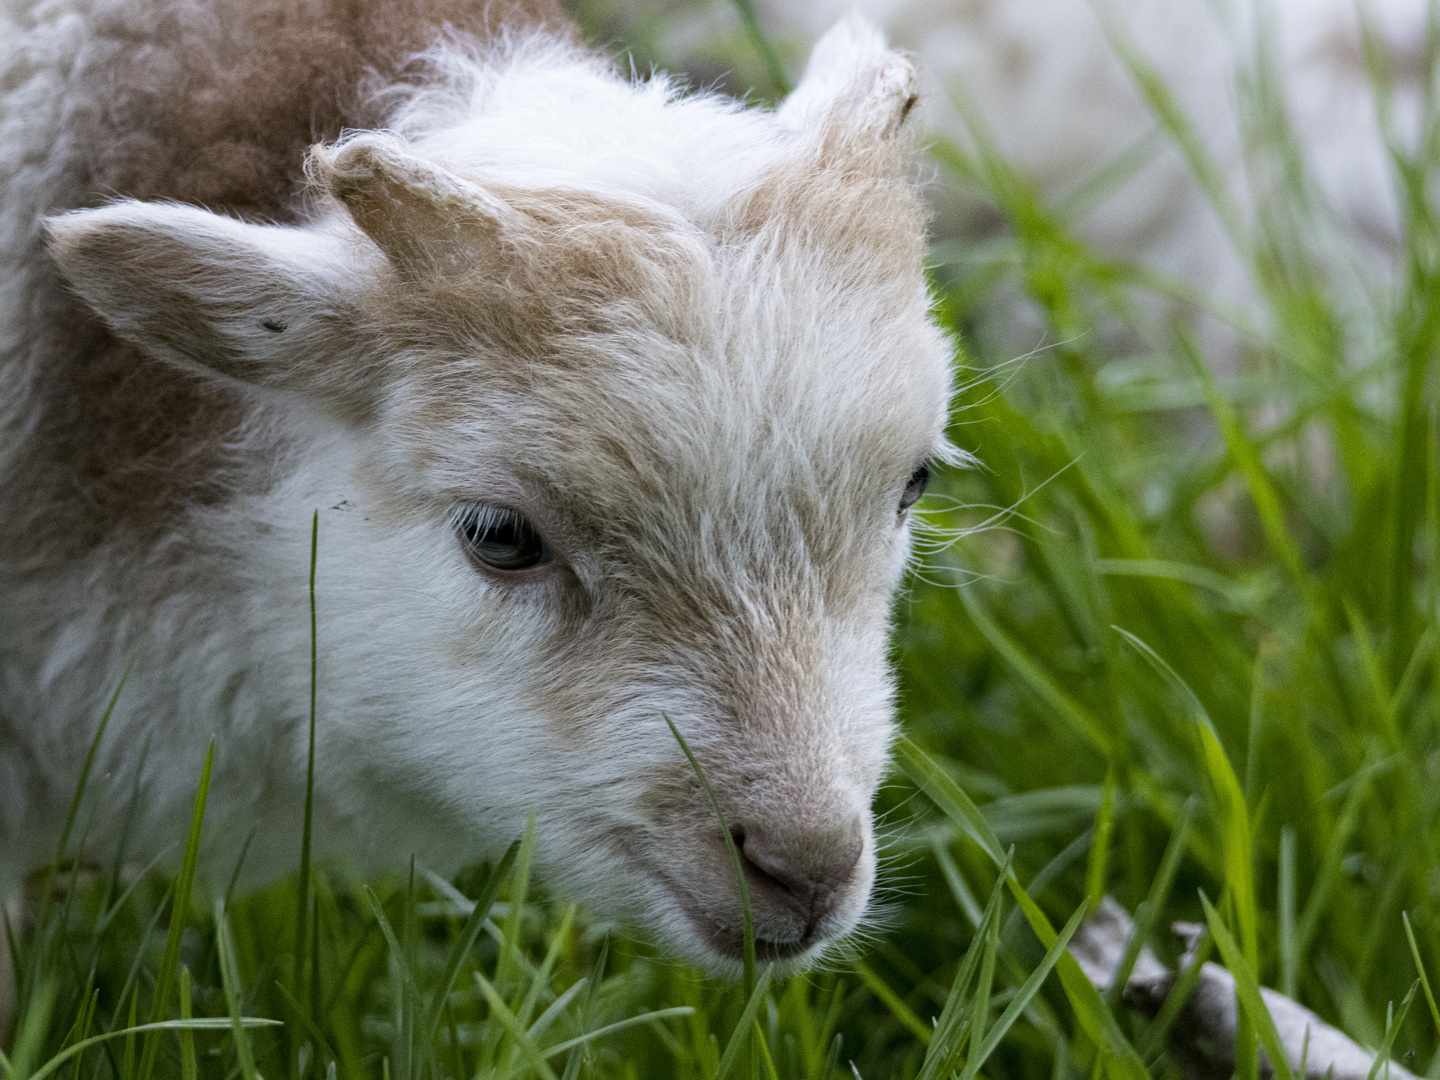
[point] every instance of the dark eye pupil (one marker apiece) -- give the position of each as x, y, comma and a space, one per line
915, 488
501, 539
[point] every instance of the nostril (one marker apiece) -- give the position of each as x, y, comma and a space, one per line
809, 869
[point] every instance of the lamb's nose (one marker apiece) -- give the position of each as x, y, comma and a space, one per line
807, 870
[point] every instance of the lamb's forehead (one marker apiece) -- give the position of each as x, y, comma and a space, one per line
789, 371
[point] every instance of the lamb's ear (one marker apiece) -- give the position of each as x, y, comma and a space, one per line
424, 218
852, 78
264, 305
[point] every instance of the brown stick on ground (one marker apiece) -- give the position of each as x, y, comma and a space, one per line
1203, 1037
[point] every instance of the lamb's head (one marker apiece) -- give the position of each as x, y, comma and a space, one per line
616, 460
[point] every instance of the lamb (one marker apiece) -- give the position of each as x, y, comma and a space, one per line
612, 400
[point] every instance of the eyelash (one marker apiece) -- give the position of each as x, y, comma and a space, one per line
499, 540
918, 481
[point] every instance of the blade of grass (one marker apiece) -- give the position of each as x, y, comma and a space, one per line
1392, 1028
410, 1058
1289, 958
892, 1001
980, 1003
179, 914
540, 981
1148, 913
302, 886
1420, 970
202, 1023
1247, 991
189, 1067
511, 955
596, 976
230, 978
396, 948
953, 1028
619, 1025
763, 46
34, 1026
747, 923
501, 1012
949, 796
1100, 846
740, 1036
1023, 996
1228, 798
466, 941
545, 1019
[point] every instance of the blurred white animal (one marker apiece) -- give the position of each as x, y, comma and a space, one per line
612, 401
1045, 80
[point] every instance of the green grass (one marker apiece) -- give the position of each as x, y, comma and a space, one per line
1194, 663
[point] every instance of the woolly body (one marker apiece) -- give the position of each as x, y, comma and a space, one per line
687, 340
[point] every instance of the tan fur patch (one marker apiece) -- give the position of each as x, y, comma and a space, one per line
849, 196
567, 261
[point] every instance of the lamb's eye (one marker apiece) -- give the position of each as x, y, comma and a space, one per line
915, 488
500, 539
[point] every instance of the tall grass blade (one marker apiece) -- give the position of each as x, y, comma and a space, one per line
763, 46
1095, 870
32, 1030
950, 797
1289, 957
189, 1067
302, 888
747, 922
179, 915
980, 1003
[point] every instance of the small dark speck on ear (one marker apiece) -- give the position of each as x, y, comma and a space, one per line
273, 326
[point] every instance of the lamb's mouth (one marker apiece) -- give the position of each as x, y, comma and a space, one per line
726, 941
729, 941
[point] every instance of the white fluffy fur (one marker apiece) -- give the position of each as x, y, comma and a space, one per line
720, 479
